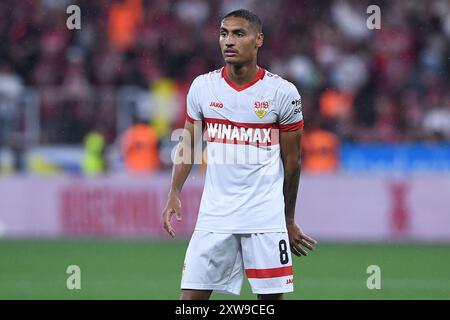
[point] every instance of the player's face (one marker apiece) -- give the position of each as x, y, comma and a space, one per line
239, 42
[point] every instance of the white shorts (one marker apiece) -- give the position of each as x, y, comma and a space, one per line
217, 262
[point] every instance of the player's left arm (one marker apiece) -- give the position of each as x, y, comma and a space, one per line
291, 130
290, 143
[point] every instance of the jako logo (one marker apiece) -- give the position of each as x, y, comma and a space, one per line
216, 104
289, 281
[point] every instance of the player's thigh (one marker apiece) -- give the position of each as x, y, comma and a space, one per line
189, 294
213, 262
268, 262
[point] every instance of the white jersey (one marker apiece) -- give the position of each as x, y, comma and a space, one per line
243, 190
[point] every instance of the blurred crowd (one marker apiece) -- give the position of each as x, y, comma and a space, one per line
388, 85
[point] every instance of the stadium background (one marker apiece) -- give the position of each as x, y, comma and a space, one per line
78, 188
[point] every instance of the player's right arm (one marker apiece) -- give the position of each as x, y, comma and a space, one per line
183, 160
184, 155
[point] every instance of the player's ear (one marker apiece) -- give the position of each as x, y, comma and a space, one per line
259, 39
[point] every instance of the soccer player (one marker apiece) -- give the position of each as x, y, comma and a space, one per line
246, 220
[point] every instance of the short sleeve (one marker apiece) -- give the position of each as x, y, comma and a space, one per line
193, 109
290, 104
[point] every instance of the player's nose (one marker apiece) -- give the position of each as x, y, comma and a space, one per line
229, 41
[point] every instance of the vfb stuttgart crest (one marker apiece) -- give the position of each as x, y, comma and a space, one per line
261, 108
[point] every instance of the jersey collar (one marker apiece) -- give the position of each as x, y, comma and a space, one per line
259, 76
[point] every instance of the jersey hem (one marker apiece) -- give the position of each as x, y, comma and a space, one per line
241, 231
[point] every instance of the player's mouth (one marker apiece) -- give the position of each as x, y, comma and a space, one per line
230, 52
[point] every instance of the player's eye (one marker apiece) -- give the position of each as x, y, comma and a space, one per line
223, 34
240, 34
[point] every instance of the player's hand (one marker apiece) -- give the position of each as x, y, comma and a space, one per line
173, 206
297, 239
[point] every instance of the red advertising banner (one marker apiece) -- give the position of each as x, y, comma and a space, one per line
329, 207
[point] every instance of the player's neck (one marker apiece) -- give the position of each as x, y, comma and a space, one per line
241, 75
